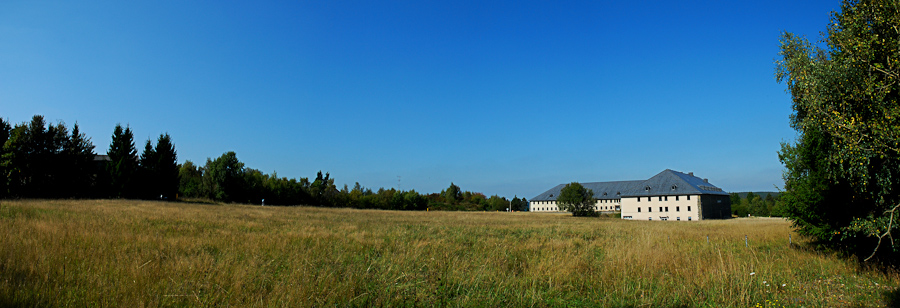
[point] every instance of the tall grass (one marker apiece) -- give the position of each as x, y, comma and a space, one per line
139, 253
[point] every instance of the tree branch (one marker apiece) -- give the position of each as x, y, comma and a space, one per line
887, 233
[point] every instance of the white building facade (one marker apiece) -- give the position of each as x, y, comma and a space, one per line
667, 196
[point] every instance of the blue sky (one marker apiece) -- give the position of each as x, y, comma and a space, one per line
508, 98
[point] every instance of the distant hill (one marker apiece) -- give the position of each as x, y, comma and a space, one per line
759, 193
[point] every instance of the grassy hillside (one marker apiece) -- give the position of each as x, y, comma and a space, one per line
137, 253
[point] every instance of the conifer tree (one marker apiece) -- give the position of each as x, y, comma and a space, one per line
147, 177
123, 162
78, 156
167, 171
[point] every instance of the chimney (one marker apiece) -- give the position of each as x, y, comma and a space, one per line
706, 180
691, 173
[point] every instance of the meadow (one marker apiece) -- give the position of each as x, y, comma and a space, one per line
90, 253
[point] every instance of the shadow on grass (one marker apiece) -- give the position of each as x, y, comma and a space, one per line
892, 298
197, 201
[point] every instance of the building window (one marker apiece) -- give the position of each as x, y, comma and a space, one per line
676, 198
678, 218
689, 197
678, 209
649, 199
660, 198
660, 209
689, 208
649, 209
649, 218
667, 198
639, 199
689, 218
626, 217
667, 209
639, 209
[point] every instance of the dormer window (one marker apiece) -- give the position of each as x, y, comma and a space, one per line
604, 194
647, 188
551, 195
674, 187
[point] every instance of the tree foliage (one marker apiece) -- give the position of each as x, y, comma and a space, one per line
842, 173
123, 163
577, 199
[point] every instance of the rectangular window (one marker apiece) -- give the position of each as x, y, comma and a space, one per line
689, 218
678, 218
689, 197
649, 199
667, 198
660, 198
649, 209
649, 218
678, 209
667, 209
639, 199
639, 209
676, 198
660, 209
689, 208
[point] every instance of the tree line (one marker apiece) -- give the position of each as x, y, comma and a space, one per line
756, 205
46, 160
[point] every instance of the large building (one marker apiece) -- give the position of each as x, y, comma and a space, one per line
669, 195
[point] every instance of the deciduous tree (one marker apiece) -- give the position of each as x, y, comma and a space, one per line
577, 199
846, 110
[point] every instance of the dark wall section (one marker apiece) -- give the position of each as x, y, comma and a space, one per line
715, 207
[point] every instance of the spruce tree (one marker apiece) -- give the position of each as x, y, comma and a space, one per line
147, 178
78, 157
167, 167
123, 162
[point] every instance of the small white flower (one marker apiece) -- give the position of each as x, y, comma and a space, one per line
764, 281
753, 273
783, 285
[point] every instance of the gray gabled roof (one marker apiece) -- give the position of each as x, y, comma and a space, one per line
602, 190
669, 182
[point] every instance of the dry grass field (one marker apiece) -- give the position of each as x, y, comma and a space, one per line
148, 254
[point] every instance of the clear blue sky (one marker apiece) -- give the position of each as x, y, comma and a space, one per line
508, 98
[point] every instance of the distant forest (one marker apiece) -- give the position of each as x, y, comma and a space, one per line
46, 160
763, 203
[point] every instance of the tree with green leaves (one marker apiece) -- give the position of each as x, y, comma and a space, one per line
123, 163
189, 180
223, 178
841, 172
577, 199
452, 194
